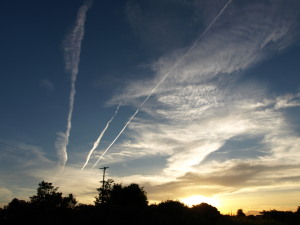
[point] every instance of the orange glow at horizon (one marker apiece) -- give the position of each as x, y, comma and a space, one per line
198, 199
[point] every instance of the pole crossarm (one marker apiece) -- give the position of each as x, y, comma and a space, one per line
104, 169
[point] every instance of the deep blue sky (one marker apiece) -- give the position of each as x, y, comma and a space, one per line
223, 124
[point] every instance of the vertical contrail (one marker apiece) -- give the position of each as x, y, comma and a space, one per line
72, 48
165, 76
97, 142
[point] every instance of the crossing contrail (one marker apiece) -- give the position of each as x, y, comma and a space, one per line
72, 48
165, 76
97, 142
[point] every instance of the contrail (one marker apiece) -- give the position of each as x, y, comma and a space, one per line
165, 76
72, 47
97, 142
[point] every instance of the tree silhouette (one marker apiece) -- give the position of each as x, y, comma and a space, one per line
285, 217
132, 196
118, 204
104, 192
16, 205
240, 213
16, 211
172, 207
49, 198
68, 202
205, 214
170, 212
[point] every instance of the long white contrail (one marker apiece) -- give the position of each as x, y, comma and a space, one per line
97, 142
165, 76
72, 48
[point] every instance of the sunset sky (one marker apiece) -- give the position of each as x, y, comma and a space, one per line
195, 100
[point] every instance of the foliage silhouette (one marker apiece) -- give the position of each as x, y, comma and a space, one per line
118, 204
205, 214
132, 196
240, 213
281, 216
169, 212
16, 205
104, 192
48, 198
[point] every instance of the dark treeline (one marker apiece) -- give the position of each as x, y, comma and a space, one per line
118, 204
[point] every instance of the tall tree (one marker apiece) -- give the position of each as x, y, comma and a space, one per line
16, 205
48, 197
104, 192
132, 196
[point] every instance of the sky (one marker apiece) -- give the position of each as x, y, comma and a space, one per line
195, 100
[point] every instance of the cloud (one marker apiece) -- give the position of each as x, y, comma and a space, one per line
237, 177
251, 34
97, 142
218, 133
29, 165
72, 48
82, 184
206, 104
158, 26
288, 100
24, 154
47, 84
21, 160
6, 195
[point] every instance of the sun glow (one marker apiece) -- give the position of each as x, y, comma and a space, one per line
198, 199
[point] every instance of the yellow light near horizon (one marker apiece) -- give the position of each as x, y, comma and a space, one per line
198, 199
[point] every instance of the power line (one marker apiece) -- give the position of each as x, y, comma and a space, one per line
14, 150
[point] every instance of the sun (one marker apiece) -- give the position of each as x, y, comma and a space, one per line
198, 199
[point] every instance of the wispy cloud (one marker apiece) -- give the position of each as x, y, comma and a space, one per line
203, 105
6, 195
22, 160
97, 142
69, 179
235, 43
72, 47
165, 76
47, 84
219, 129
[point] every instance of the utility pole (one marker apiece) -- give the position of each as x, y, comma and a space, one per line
103, 168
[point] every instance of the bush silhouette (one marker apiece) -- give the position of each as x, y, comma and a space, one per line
132, 196
117, 204
240, 213
16, 205
165, 213
48, 198
205, 214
